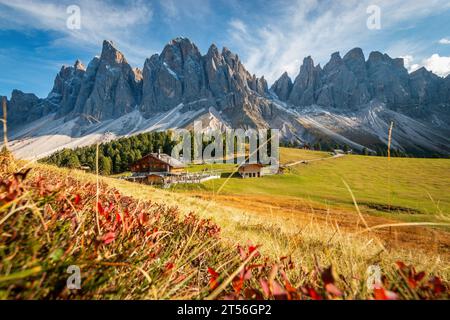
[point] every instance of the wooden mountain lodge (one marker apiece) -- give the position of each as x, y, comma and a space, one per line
158, 163
161, 169
251, 170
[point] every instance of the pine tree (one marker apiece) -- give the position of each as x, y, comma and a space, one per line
105, 165
72, 161
117, 164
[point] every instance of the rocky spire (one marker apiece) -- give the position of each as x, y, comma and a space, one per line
282, 87
306, 84
425, 87
388, 80
356, 63
67, 86
115, 90
181, 75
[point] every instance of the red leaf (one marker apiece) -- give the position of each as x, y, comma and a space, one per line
237, 285
169, 266
142, 218
313, 294
109, 237
332, 289
419, 277
327, 276
382, 294
252, 248
100, 208
77, 199
213, 283
212, 272
438, 287
242, 253
278, 291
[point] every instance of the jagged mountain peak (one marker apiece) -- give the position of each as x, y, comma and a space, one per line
423, 72
336, 56
285, 75
377, 56
185, 45
282, 87
213, 48
335, 62
79, 65
354, 54
308, 62
111, 54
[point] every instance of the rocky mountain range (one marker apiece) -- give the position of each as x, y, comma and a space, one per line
350, 101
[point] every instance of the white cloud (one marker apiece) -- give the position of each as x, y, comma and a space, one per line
444, 41
317, 28
239, 26
409, 63
435, 63
100, 20
439, 65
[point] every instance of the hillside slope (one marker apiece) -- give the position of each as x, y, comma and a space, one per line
136, 249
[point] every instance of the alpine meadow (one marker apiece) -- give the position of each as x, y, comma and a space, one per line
305, 158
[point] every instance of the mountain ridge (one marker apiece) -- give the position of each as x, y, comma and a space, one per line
217, 89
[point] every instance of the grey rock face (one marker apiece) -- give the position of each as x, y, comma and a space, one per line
356, 63
425, 87
389, 80
109, 88
351, 82
282, 87
66, 88
1, 105
115, 90
25, 107
306, 84
445, 89
87, 85
172, 76
182, 75
340, 85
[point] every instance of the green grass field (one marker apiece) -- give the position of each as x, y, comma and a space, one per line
405, 188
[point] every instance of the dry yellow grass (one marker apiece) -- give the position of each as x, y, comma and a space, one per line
315, 237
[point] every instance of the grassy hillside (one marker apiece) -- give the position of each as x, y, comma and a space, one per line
404, 188
149, 245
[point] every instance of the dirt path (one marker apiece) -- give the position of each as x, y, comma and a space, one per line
313, 160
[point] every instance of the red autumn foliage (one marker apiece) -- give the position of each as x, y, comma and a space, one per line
128, 225
214, 276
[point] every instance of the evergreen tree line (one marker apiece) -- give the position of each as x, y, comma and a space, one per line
118, 155
115, 156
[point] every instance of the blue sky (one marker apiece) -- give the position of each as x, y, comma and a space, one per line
270, 36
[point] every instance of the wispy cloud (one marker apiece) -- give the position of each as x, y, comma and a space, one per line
99, 20
444, 41
176, 10
279, 41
